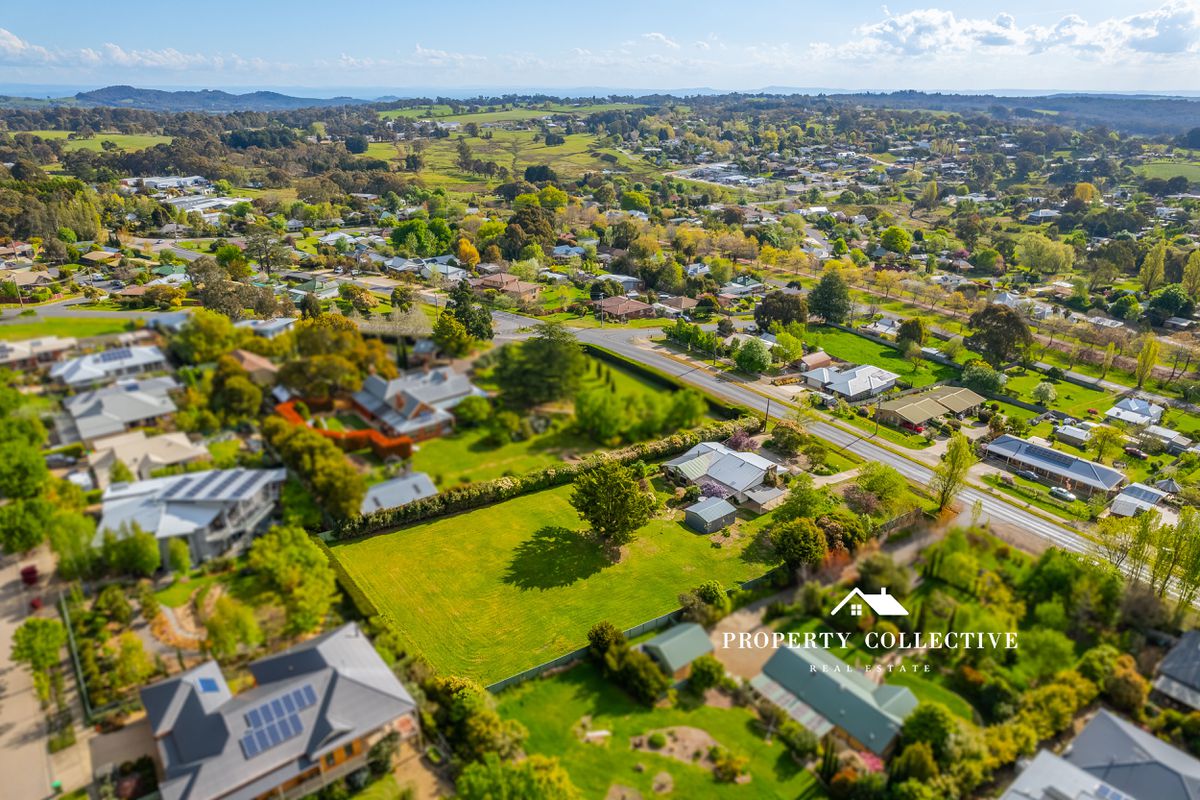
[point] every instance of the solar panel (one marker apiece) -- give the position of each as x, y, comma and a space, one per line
253, 719
277, 707
260, 736
249, 746
310, 697
242, 489
273, 734
208, 685
267, 715
199, 485
225, 482
289, 703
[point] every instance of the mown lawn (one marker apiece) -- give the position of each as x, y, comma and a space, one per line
550, 708
123, 141
78, 327
465, 457
506, 587
1072, 398
859, 350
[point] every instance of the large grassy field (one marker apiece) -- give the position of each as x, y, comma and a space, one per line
123, 141
513, 585
1169, 169
552, 707
465, 456
79, 327
514, 150
860, 350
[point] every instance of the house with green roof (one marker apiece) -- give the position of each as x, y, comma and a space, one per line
674, 650
825, 694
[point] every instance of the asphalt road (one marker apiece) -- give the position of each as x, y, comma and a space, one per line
994, 509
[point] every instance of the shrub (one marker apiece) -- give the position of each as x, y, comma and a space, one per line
657, 740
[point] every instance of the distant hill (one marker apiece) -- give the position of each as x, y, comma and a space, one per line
202, 100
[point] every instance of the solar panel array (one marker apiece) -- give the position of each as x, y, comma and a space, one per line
208, 685
1053, 456
276, 721
117, 354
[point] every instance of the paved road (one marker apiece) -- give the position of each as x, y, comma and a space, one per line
24, 760
65, 308
997, 510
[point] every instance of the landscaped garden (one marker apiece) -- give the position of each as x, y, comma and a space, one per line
558, 710
513, 585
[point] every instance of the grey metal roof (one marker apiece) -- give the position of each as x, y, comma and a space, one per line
101, 366
1056, 462
1182, 663
397, 492
679, 646
871, 713
109, 410
1134, 761
1048, 777
711, 509
200, 742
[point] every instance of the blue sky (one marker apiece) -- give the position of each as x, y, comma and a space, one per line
1015, 44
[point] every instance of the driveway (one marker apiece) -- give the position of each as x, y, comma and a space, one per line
24, 760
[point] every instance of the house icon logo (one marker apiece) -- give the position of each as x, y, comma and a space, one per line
883, 604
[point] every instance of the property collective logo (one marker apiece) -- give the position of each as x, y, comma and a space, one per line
882, 605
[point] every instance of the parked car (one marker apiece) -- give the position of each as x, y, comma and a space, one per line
1134, 452
1060, 493
1027, 474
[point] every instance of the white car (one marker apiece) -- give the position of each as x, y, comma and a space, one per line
1062, 494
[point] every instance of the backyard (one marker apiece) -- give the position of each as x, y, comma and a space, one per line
510, 586
553, 708
855, 349
79, 327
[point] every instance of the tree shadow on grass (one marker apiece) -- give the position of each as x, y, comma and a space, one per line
555, 557
759, 550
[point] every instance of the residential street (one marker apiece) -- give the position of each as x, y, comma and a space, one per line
24, 760
626, 342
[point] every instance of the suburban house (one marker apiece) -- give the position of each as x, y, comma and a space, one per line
853, 384
311, 717
1178, 678
1136, 498
710, 515
1050, 777
1062, 469
397, 492
31, 354
1173, 442
216, 512
1075, 435
917, 410
815, 360
722, 468
261, 369
114, 409
629, 283
1133, 761
676, 648
120, 362
884, 326
623, 308
509, 284
417, 404
1135, 411
680, 304
824, 694
142, 454
267, 328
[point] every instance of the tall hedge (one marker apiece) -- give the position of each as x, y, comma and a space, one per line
485, 493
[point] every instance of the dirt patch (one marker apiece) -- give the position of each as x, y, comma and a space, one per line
619, 792
683, 743
663, 783
717, 699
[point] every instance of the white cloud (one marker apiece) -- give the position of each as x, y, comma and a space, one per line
1171, 29
429, 57
15, 50
661, 38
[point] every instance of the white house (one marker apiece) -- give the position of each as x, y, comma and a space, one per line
1135, 411
120, 362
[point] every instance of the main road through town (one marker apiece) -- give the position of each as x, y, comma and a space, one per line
625, 342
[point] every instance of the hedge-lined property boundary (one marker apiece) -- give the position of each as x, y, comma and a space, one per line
485, 493
727, 410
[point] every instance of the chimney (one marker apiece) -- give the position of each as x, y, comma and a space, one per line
883, 590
